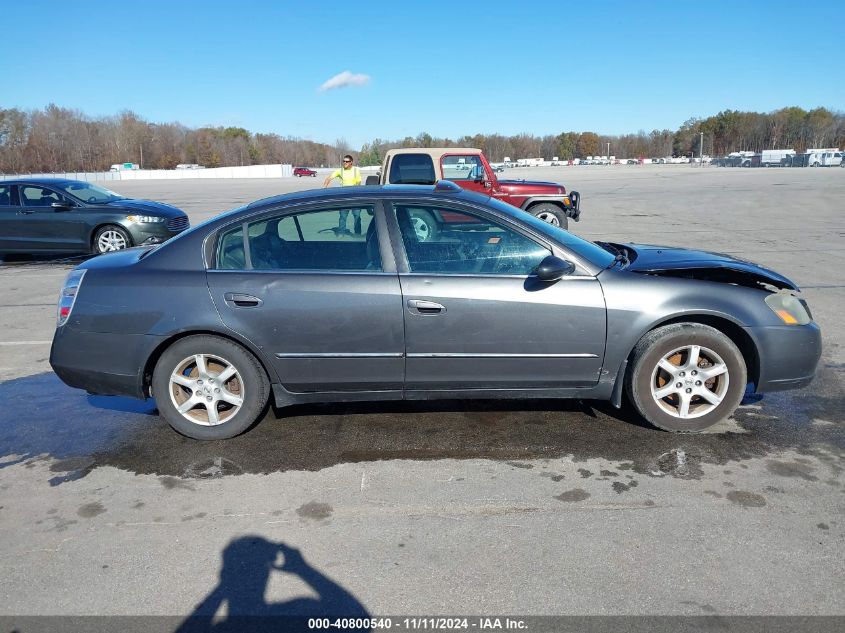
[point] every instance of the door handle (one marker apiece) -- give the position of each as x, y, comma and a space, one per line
26, 211
241, 300
426, 307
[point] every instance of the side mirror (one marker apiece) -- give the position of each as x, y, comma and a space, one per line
62, 206
371, 180
553, 268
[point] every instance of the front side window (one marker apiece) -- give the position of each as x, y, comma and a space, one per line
467, 167
341, 239
442, 240
38, 196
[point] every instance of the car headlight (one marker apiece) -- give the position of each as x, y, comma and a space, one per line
145, 219
789, 309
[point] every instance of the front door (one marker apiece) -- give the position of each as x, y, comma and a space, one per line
320, 298
475, 318
468, 172
42, 227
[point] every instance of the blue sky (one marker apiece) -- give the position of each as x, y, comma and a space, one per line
446, 68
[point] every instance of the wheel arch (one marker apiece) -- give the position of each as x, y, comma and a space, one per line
533, 202
736, 333
152, 359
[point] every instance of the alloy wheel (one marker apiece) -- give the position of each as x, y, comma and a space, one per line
111, 241
206, 389
689, 381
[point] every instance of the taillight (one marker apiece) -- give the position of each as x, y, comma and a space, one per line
68, 295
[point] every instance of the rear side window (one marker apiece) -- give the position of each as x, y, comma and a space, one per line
230, 254
6, 196
412, 169
338, 239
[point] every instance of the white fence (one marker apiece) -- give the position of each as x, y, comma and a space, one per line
248, 171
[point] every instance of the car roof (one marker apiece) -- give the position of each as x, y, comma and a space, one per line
41, 181
434, 151
444, 188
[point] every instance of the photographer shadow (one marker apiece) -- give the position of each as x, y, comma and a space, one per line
247, 564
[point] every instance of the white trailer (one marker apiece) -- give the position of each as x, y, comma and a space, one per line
774, 157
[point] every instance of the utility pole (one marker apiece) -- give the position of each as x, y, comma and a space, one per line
701, 149
141, 165
608, 152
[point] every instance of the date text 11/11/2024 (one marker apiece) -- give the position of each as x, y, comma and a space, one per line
418, 624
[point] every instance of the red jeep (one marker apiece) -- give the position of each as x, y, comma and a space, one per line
303, 171
469, 169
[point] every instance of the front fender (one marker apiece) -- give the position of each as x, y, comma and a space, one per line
636, 304
569, 203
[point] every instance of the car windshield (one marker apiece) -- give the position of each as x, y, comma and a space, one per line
588, 250
92, 194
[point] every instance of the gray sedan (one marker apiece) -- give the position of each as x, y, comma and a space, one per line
280, 298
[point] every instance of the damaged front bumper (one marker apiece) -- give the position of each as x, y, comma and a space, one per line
788, 355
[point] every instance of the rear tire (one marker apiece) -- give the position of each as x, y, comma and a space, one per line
686, 377
550, 213
209, 388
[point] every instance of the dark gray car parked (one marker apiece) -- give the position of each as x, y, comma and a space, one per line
276, 297
51, 215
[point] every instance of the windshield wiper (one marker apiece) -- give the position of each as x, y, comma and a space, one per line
621, 254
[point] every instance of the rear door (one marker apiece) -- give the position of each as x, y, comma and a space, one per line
9, 218
475, 318
324, 304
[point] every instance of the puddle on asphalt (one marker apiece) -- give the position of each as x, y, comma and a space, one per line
42, 417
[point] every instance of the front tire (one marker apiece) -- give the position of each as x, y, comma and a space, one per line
109, 239
686, 377
209, 388
551, 213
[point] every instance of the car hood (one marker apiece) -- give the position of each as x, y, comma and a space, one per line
148, 207
694, 264
531, 187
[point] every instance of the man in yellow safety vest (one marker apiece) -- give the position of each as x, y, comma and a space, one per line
350, 176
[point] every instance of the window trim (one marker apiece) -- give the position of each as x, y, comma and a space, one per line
463, 155
212, 241
13, 196
449, 206
584, 268
21, 187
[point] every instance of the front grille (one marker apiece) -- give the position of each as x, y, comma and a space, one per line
178, 224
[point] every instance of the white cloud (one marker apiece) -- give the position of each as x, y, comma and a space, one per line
344, 80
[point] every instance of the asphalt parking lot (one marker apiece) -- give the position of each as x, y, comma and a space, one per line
532, 508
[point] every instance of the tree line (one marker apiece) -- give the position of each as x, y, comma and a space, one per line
725, 132
58, 139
